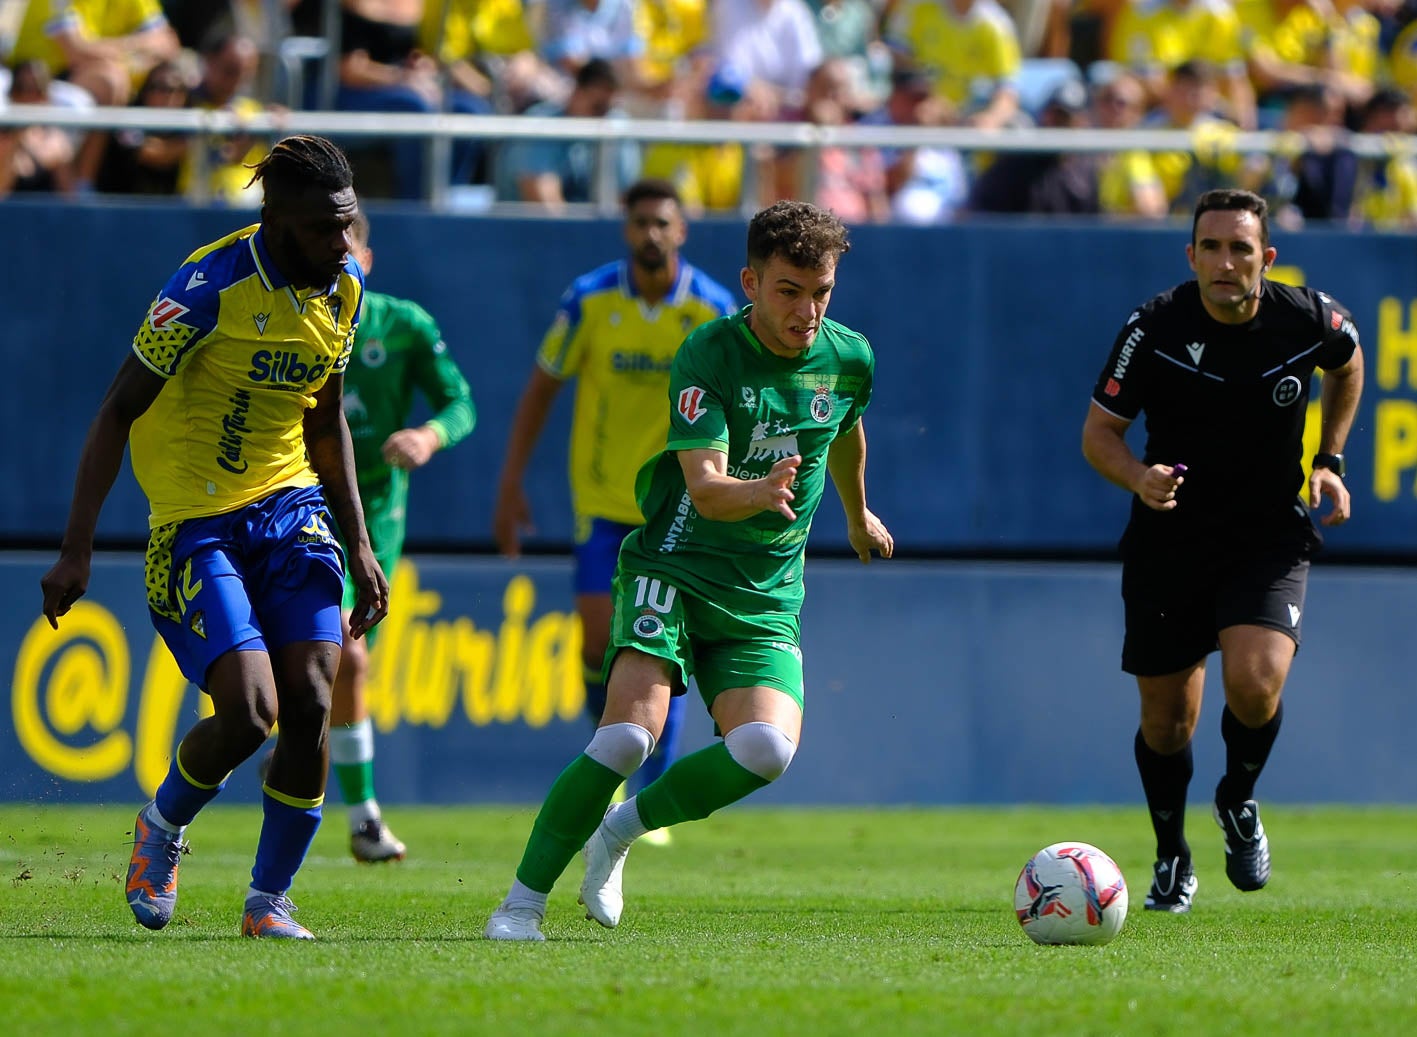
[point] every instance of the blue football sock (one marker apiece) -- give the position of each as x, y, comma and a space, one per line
179, 798
286, 834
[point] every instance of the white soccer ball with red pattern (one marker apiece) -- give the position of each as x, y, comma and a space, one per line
1071, 893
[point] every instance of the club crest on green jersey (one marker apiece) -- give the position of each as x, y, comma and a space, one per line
823, 405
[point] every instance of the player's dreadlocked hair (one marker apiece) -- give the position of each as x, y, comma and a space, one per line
301, 162
803, 234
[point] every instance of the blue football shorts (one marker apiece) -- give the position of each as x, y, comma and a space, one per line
254, 579
596, 552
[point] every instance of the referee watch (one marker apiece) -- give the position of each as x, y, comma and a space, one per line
1333, 462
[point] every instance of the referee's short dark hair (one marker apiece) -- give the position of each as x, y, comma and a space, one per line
651, 189
1231, 199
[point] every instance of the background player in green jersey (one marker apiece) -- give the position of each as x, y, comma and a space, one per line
765, 404
616, 331
398, 349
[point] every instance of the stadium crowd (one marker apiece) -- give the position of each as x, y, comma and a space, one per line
1320, 70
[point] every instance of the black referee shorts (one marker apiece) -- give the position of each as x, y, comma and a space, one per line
1178, 599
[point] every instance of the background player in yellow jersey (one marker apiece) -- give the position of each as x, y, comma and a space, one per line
231, 400
616, 330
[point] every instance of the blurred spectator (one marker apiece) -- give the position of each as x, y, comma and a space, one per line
1386, 193
574, 31
1294, 43
382, 69
926, 185
105, 47
144, 162
1127, 182
34, 158
198, 22
228, 71
850, 29
1188, 102
710, 177
1319, 182
772, 42
971, 47
487, 48
851, 182
677, 61
552, 173
1057, 183
1151, 37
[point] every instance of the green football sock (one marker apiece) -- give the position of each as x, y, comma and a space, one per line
356, 781
572, 809
695, 786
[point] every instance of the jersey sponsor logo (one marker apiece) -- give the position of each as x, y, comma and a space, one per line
260, 319
625, 363
782, 443
1350, 329
1124, 358
1113, 387
284, 367
196, 280
234, 431
1335, 320
822, 405
691, 404
1196, 349
678, 526
315, 531
164, 312
1287, 390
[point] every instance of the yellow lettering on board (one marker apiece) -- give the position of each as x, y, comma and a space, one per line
68, 682
1394, 445
1397, 344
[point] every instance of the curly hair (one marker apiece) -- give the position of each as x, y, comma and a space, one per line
300, 162
803, 234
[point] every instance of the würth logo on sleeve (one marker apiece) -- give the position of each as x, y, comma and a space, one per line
164, 312
691, 404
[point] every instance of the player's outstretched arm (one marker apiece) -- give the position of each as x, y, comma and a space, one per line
132, 392
511, 516
725, 498
332, 456
846, 463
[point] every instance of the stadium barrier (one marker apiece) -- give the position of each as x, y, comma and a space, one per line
988, 336
948, 682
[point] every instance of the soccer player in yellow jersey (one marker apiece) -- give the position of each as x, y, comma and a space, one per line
616, 331
230, 400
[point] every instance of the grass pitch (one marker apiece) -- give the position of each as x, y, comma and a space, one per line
757, 921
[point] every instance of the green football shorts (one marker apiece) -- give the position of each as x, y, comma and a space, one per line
384, 517
718, 646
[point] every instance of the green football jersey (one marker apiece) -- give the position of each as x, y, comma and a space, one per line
728, 392
397, 349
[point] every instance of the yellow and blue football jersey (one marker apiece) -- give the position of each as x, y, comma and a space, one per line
244, 353
620, 349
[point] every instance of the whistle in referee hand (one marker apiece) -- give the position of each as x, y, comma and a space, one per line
1178, 470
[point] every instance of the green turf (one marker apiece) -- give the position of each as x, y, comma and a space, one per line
755, 922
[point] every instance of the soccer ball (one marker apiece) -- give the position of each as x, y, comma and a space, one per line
1071, 893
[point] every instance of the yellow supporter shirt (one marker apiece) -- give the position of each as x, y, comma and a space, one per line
619, 349
89, 19
1119, 178
672, 30
244, 353
708, 176
962, 53
1159, 34
475, 27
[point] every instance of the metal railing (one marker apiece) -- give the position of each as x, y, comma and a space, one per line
441, 129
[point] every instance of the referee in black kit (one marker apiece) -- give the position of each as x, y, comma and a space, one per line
1216, 554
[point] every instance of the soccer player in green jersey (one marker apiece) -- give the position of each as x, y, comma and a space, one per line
398, 349
765, 404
